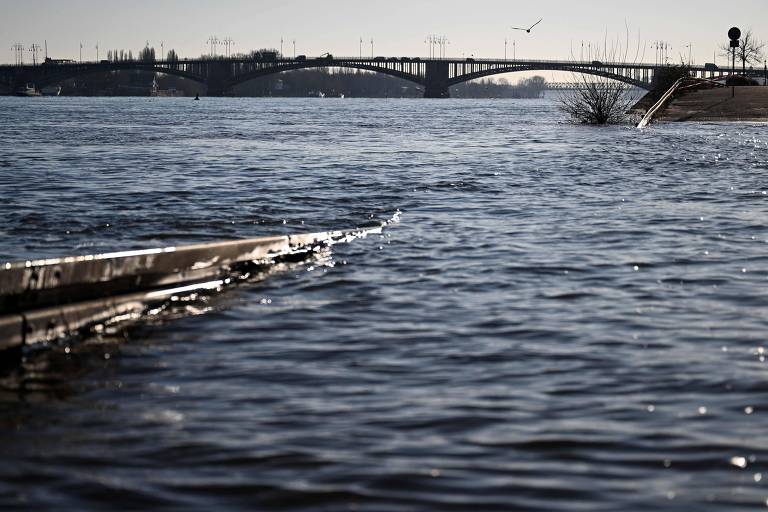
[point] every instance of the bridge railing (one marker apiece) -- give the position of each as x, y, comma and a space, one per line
379, 60
374, 60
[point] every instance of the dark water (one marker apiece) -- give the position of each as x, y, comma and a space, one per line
566, 318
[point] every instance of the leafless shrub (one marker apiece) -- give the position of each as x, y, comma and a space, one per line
597, 99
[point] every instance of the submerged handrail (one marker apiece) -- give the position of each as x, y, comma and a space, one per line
677, 86
648, 117
46, 300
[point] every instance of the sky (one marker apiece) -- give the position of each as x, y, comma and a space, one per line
398, 27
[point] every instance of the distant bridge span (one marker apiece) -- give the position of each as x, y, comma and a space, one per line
436, 76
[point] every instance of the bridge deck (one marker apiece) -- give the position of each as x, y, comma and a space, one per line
435, 75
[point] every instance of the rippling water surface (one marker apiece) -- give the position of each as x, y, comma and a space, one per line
566, 318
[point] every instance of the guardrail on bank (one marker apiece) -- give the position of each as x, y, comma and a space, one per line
682, 84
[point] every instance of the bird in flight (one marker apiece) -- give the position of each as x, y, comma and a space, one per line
528, 29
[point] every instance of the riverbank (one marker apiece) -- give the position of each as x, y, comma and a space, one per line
749, 104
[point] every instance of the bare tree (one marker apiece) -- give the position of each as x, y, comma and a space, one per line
599, 99
750, 50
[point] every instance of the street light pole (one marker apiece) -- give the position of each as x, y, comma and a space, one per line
34, 49
18, 48
213, 41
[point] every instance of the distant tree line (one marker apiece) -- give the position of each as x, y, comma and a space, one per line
146, 54
527, 88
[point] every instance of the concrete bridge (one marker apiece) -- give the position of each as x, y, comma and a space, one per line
436, 76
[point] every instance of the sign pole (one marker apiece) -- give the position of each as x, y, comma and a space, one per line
734, 35
733, 75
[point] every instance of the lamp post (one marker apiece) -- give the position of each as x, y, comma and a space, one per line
443, 45
18, 48
213, 41
34, 49
505, 50
230, 43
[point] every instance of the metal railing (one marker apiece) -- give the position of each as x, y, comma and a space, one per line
52, 299
375, 60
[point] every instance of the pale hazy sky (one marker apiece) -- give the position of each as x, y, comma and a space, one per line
398, 27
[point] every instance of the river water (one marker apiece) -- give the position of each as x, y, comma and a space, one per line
565, 318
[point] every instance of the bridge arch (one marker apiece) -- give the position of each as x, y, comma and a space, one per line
316, 64
55, 75
436, 76
572, 69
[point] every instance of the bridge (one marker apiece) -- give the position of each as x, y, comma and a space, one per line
436, 76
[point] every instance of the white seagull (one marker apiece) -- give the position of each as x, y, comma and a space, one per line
528, 29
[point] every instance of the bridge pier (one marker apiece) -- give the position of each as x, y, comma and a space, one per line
214, 91
436, 80
219, 75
